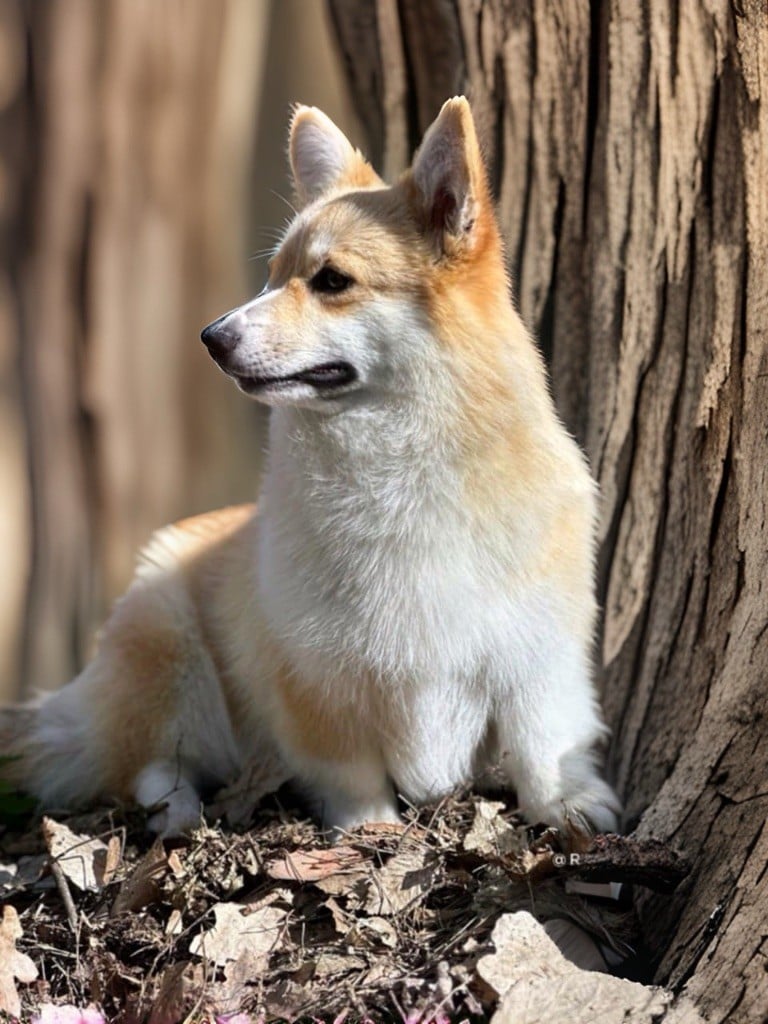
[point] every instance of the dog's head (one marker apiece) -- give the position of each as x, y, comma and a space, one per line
371, 286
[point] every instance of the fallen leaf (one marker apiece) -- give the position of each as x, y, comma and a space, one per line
8, 876
380, 829
352, 884
174, 863
341, 919
112, 859
24, 872
313, 865
241, 930
142, 886
536, 982
180, 988
82, 859
404, 879
490, 835
284, 999
260, 776
371, 931
13, 965
329, 964
174, 925
381, 972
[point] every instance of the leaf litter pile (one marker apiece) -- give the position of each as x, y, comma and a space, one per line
462, 913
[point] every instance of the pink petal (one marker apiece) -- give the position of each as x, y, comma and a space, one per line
51, 1014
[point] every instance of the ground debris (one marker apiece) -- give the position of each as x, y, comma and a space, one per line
275, 923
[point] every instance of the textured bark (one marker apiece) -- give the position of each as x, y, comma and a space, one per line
628, 146
125, 129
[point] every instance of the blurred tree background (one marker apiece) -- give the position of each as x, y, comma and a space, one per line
142, 159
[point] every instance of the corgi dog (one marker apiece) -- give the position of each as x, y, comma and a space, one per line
411, 602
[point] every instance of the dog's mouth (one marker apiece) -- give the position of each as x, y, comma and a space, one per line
325, 377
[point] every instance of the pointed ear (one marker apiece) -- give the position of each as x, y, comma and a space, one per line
449, 174
322, 157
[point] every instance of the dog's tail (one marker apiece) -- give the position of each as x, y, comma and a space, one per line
17, 725
47, 748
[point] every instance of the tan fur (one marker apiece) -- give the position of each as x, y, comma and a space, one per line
314, 724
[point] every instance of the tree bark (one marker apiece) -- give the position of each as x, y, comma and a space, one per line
628, 148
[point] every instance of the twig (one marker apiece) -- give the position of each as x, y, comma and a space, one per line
66, 895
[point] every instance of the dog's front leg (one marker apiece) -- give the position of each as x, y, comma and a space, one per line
335, 752
548, 732
350, 793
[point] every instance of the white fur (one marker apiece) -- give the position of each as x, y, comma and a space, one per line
320, 153
163, 783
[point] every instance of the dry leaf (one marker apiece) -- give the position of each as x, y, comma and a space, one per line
82, 859
536, 983
285, 998
404, 879
243, 931
352, 884
341, 919
8, 876
260, 776
490, 834
24, 872
142, 886
372, 931
329, 964
13, 965
174, 863
180, 989
112, 859
313, 865
383, 829
175, 923
381, 972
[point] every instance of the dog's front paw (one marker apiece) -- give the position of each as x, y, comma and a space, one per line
592, 808
339, 817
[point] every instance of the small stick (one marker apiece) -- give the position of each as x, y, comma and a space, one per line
66, 895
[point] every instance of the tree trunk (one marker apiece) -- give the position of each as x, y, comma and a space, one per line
628, 147
126, 128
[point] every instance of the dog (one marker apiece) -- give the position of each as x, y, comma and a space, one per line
411, 602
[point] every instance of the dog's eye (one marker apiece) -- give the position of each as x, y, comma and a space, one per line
329, 280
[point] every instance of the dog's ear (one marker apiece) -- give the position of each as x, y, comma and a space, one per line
450, 179
322, 157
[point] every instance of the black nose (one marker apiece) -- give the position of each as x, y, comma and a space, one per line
219, 338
